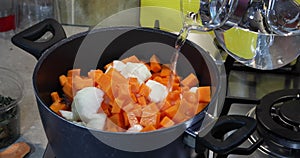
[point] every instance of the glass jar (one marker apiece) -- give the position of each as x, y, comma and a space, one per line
11, 93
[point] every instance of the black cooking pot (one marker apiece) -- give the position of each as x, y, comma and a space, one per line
60, 54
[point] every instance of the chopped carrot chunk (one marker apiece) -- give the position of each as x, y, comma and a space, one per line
204, 94
73, 72
55, 97
190, 81
144, 90
148, 128
132, 59
166, 122
63, 80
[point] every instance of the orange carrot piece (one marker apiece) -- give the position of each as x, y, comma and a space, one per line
117, 119
133, 97
155, 67
150, 110
201, 106
95, 74
132, 59
166, 122
154, 59
67, 89
190, 81
112, 126
56, 106
80, 83
73, 72
104, 108
173, 95
115, 108
190, 97
165, 71
158, 79
171, 111
154, 64
144, 90
55, 97
104, 82
125, 118
148, 128
204, 94
179, 117
132, 119
165, 106
134, 84
151, 120
148, 66
107, 66
63, 80
142, 100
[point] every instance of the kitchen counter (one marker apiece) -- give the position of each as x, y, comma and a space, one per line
17, 60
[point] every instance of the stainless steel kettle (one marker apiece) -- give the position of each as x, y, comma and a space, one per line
262, 34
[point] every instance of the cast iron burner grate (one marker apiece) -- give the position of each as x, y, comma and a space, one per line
286, 113
278, 117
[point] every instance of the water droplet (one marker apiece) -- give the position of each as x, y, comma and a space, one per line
280, 61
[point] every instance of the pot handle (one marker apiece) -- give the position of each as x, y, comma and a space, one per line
241, 126
26, 39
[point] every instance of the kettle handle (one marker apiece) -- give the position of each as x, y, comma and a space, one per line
241, 126
26, 39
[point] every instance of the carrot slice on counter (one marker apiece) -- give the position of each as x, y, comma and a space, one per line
190, 81
204, 94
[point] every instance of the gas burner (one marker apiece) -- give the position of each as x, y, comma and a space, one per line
278, 123
277, 114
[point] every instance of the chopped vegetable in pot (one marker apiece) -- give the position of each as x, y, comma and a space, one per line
129, 96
